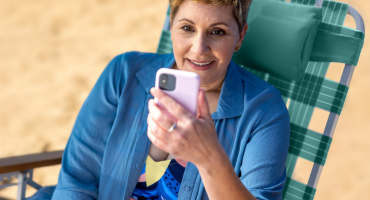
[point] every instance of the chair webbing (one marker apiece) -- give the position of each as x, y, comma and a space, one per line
165, 43
304, 2
313, 90
313, 146
295, 190
309, 144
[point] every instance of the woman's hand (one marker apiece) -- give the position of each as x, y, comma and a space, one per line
194, 139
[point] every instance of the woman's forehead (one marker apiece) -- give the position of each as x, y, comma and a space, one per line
201, 12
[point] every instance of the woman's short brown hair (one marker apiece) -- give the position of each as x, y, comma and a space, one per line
240, 9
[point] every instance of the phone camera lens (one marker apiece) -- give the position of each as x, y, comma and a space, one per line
167, 82
163, 79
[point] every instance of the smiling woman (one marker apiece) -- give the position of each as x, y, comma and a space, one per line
123, 146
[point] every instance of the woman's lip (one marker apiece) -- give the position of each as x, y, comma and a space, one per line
200, 61
201, 68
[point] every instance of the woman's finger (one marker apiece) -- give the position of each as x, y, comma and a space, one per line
171, 105
158, 131
157, 142
158, 116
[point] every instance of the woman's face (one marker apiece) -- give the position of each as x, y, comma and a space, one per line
204, 38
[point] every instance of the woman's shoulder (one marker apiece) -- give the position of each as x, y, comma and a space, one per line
134, 55
262, 101
260, 97
138, 60
254, 85
134, 68
124, 66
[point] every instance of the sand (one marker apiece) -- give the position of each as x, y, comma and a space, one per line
53, 51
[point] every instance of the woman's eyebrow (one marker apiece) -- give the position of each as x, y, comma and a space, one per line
212, 25
186, 20
219, 23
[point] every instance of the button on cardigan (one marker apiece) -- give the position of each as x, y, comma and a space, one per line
109, 144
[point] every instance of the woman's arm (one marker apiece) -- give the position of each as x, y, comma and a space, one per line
263, 166
220, 179
81, 164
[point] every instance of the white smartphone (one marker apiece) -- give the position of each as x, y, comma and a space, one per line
182, 86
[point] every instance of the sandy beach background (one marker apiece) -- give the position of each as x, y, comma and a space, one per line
52, 52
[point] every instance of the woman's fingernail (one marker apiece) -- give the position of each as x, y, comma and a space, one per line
152, 90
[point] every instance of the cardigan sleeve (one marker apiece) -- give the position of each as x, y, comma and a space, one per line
263, 166
82, 158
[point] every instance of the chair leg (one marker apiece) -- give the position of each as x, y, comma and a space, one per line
30, 181
22, 184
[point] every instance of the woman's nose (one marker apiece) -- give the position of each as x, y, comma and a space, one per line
200, 45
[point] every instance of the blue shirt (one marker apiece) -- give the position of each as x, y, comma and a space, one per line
108, 145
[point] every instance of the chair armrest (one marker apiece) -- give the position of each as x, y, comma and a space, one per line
21, 163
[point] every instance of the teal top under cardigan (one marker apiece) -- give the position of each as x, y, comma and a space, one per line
109, 145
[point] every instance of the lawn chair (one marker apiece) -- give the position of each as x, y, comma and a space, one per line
302, 97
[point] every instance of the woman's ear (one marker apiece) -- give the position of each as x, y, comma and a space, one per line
241, 36
245, 30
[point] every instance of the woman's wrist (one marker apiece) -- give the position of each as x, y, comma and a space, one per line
220, 179
214, 162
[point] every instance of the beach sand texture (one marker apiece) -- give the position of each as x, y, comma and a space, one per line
53, 51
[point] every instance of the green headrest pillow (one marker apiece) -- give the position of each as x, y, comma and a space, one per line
280, 38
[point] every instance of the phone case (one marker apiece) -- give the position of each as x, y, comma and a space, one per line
186, 90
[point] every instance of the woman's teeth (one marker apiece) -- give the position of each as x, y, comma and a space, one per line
201, 64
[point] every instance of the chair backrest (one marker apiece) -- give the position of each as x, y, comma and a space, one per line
314, 91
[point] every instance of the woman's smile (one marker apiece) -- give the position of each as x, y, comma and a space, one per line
200, 65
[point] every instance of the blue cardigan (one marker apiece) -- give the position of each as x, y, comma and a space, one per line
108, 145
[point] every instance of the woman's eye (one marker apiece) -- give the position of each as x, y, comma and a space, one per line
218, 32
187, 28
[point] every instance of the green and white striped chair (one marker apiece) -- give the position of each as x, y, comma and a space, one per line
302, 98
312, 91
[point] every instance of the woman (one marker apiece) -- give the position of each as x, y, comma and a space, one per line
235, 148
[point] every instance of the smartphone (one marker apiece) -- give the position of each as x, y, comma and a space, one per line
182, 86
